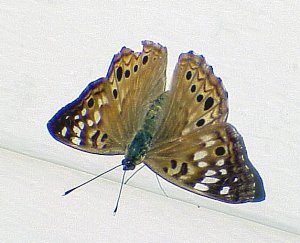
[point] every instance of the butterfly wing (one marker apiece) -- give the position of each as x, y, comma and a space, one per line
197, 98
209, 162
105, 117
194, 147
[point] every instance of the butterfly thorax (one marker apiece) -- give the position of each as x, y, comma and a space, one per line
142, 140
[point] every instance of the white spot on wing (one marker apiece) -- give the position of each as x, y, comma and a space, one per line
97, 116
185, 131
210, 180
206, 138
210, 143
210, 173
202, 164
64, 131
220, 162
76, 117
201, 187
225, 190
90, 122
83, 112
81, 125
199, 155
77, 131
223, 171
76, 140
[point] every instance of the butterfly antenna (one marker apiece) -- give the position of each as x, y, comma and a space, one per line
67, 192
122, 183
158, 181
134, 173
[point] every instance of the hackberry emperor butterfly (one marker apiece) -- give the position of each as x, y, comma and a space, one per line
181, 134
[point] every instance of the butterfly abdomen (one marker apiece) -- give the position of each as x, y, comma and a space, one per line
141, 142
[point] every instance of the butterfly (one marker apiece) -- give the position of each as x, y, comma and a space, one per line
180, 134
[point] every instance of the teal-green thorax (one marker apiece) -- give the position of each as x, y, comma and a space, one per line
142, 140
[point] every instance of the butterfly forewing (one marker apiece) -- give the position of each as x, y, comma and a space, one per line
105, 117
197, 98
140, 78
211, 162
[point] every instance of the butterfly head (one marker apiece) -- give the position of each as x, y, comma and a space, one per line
128, 164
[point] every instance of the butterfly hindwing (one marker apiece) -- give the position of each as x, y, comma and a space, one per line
209, 162
105, 117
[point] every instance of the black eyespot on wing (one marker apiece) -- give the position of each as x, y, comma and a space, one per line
193, 88
145, 59
173, 164
104, 137
200, 122
119, 73
136, 67
95, 137
90, 103
184, 169
188, 75
127, 74
165, 169
115, 93
220, 151
208, 103
199, 97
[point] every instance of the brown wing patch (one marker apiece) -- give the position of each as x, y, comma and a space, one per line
212, 162
105, 117
197, 98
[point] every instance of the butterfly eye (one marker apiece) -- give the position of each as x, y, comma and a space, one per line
119, 73
188, 75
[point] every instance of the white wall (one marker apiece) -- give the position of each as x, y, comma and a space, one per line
51, 50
